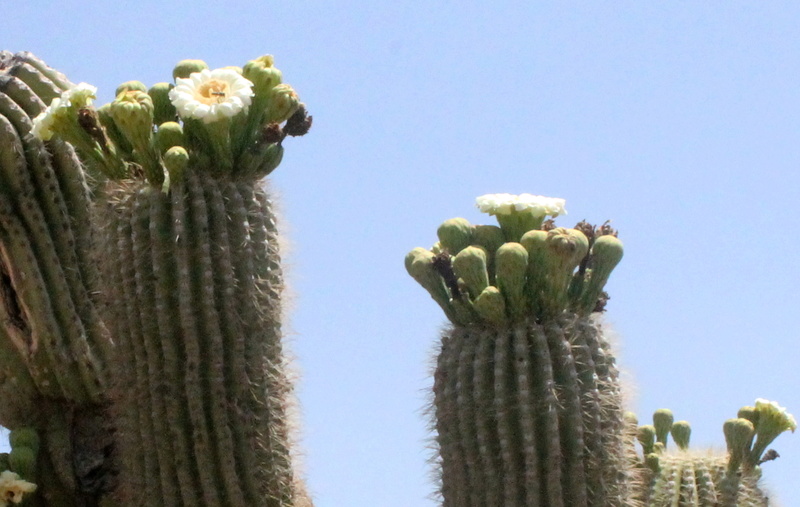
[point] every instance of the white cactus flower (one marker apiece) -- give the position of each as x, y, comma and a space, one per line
505, 204
12, 488
776, 413
211, 95
72, 99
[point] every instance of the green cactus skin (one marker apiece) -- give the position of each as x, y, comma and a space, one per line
689, 479
196, 304
191, 289
527, 405
529, 414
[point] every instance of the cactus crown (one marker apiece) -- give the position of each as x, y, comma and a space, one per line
223, 121
525, 268
689, 477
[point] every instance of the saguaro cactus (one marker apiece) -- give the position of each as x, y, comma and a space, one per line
146, 276
527, 400
687, 478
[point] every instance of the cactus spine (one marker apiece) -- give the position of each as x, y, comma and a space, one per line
527, 401
174, 227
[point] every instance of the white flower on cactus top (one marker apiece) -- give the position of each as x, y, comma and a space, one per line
776, 413
12, 488
536, 205
70, 101
210, 95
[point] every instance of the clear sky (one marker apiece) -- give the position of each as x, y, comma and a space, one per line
678, 120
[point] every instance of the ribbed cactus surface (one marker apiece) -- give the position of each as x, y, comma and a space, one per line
527, 402
201, 394
141, 287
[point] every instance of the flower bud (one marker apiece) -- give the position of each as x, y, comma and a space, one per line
490, 306
738, 436
647, 437
662, 422
489, 237
419, 264
132, 111
22, 460
129, 86
511, 264
24, 437
185, 68
605, 255
470, 265
262, 74
283, 102
169, 134
176, 160
681, 433
163, 110
455, 234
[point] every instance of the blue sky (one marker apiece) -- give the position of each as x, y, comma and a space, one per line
677, 120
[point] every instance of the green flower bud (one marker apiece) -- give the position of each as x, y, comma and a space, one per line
185, 68
419, 264
262, 73
24, 437
455, 235
470, 265
490, 306
535, 242
132, 111
283, 102
681, 433
163, 110
169, 134
738, 436
662, 422
22, 460
652, 461
630, 419
511, 264
130, 86
749, 413
489, 237
605, 255
176, 160
647, 437
271, 160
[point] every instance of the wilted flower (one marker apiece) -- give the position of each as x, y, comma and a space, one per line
210, 95
505, 204
12, 488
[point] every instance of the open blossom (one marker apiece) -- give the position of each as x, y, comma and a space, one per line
775, 414
70, 101
210, 95
12, 488
505, 204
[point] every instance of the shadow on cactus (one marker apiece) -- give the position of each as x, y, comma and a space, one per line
141, 286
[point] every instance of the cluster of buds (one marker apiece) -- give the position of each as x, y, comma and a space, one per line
525, 268
225, 121
747, 436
